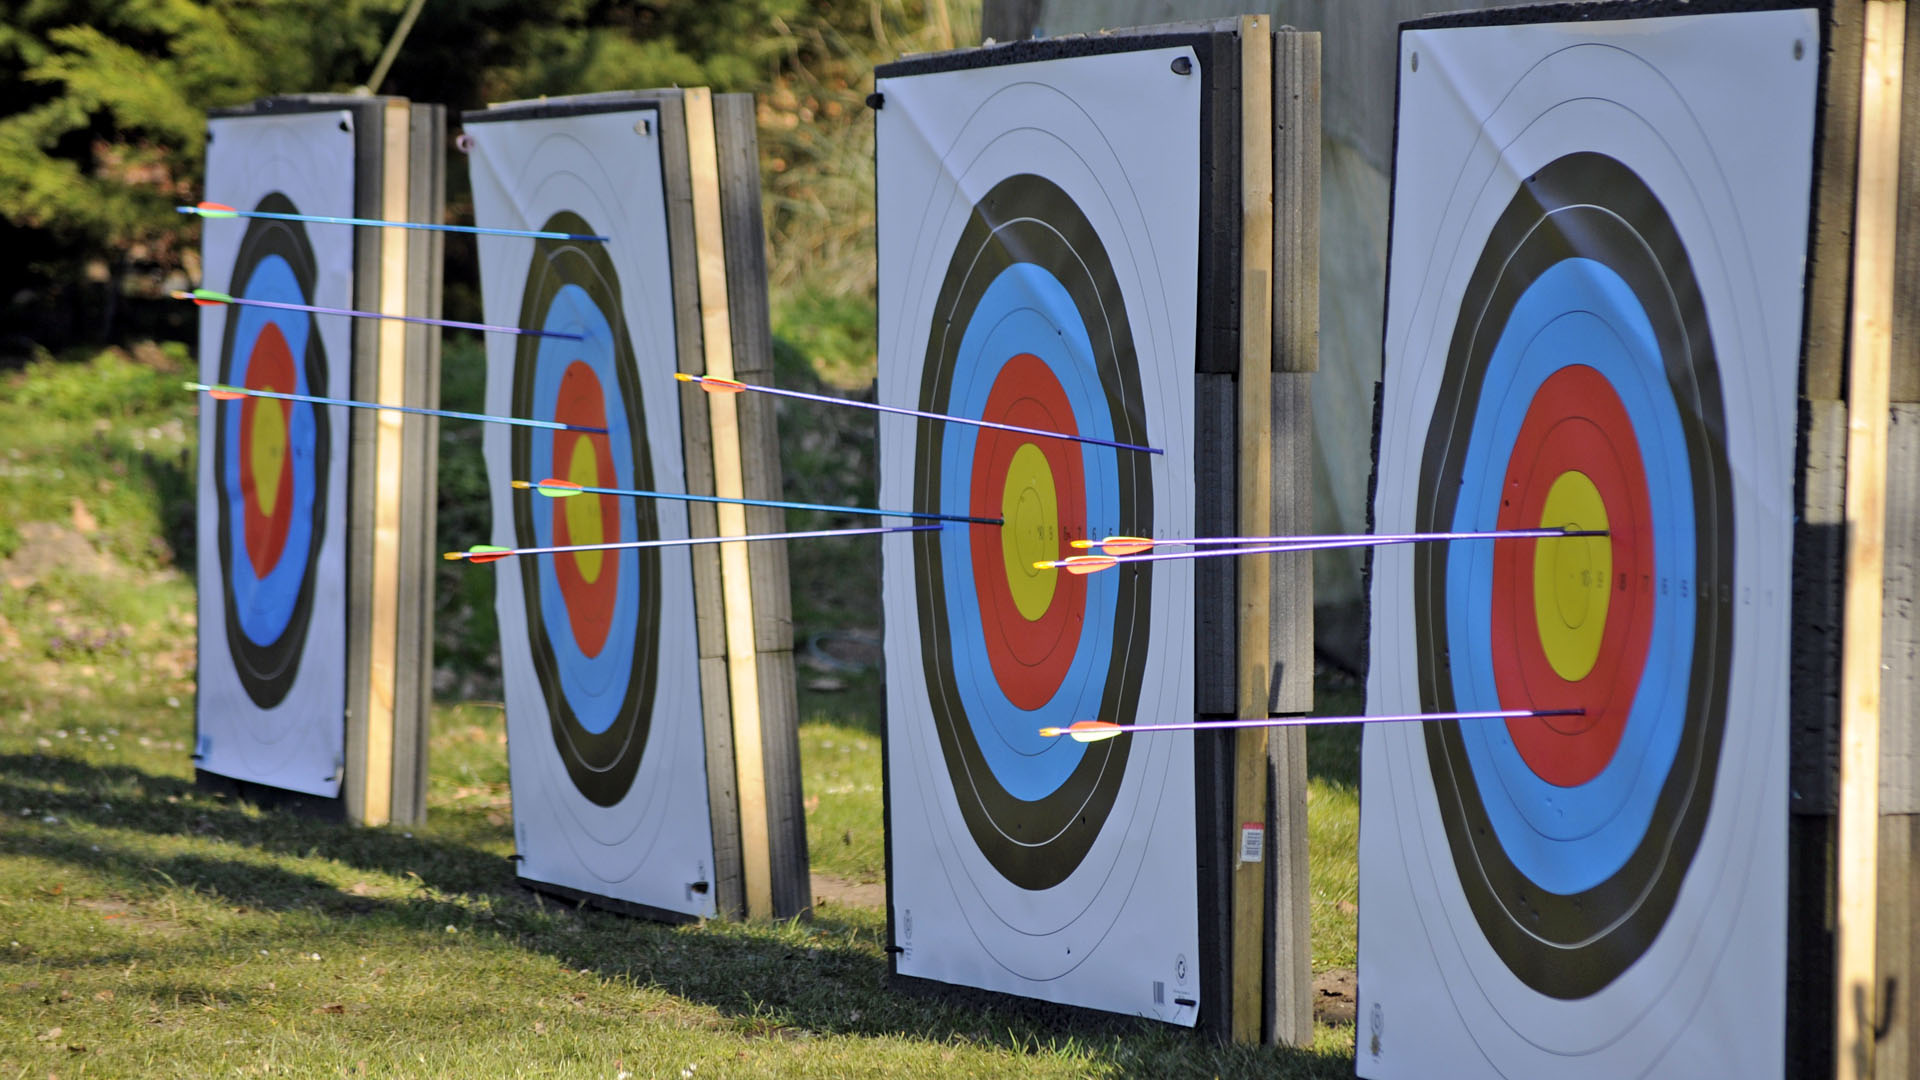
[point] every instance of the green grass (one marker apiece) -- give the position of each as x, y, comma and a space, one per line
147, 928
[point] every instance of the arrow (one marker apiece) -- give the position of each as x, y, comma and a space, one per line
563, 489
1096, 730
1088, 564
222, 392
713, 385
208, 297
1130, 545
486, 553
215, 211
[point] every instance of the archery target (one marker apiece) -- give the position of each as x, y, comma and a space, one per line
1593, 321
1039, 249
272, 474
605, 744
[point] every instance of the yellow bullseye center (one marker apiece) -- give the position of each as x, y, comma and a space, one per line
268, 453
583, 511
1571, 577
1032, 530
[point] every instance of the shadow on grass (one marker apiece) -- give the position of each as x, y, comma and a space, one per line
826, 976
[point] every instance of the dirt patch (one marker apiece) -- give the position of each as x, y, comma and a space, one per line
46, 547
1334, 996
128, 917
829, 889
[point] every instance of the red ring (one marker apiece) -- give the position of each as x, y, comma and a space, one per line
269, 367
1030, 658
589, 603
1576, 422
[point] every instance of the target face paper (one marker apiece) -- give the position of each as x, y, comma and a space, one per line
604, 737
1038, 235
1593, 320
272, 474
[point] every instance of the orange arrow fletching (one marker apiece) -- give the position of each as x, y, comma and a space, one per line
1085, 730
226, 393
714, 385
1126, 545
553, 488
1080, 564
216, 210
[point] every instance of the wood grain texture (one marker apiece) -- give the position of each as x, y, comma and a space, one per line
1868, 370
736, 573
744, 237
420, 452
1904, 381
1900, 605
1830, 260
1296, 201
1255, 455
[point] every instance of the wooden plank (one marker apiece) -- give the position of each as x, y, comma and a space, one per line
1830, 263
1900, 597
723, 801
1819, 543
390, 388
413, 689
1898, 918
736, 581
1876, 212
1290, 939
1255, 438
744, 235
1296, 201
1216, 513
1904, 384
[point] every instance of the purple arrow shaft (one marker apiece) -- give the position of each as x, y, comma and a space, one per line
491, 555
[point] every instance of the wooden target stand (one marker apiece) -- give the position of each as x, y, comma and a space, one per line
399, 174
1855, 893
742, 599
1258, 348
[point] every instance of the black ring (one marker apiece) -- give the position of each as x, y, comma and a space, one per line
1028, 219
267, 672
601, 765
1592, 206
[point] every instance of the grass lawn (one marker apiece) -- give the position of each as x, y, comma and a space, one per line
147, 928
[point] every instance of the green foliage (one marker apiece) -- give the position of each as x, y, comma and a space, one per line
109, 385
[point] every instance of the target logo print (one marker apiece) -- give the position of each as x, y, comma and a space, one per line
1581, 389
593, 619
1035, 336
270, 459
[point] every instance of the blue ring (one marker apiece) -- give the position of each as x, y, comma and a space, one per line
595, 687
1570, 839
264, 606
1027, 310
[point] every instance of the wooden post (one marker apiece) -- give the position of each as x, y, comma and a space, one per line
1296, 355
1256, 512
736, 579
1876, 212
